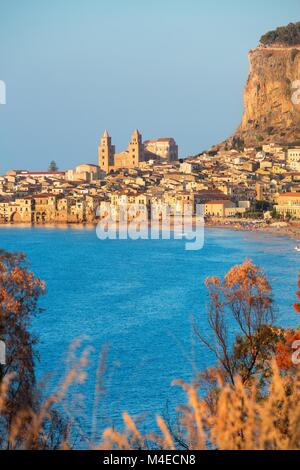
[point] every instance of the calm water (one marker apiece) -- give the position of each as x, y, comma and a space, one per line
139, 298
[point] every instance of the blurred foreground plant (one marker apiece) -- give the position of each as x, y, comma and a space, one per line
250, 401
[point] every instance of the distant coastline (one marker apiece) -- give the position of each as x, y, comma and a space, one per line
290, 229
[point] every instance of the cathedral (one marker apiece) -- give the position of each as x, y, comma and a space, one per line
164, 149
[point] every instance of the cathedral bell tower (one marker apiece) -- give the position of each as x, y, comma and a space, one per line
136, 149
106, 153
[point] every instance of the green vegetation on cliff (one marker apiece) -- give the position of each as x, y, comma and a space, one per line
286, 35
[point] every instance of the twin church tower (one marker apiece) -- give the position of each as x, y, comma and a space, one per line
164, 149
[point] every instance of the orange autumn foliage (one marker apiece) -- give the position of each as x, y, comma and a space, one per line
247, 276
20, 291
297, 305
241, 301
285, 348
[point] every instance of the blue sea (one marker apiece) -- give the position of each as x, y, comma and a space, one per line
140, 300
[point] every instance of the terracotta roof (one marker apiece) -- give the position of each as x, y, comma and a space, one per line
36, 196
42, 196
25, 172
221, 201
162, 139
294, 194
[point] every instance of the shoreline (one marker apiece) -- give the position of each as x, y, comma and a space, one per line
291, 230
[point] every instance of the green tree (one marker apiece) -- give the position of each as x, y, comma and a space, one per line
286, 35
20, 291
52, 166
262, 206
241, 302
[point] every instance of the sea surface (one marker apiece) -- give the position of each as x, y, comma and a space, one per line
139, 299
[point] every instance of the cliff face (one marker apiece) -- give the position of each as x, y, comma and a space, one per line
271, 112
272, 92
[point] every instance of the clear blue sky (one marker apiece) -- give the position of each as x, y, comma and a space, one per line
169, 67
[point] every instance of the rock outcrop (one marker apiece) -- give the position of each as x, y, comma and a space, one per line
272, 92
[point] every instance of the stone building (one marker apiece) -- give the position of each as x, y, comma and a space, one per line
44, 207
36, 174
288, 204
50, 208
137, 152
183, 202
133, 156
164, 149
18, 211
86, 172
220, 208
293, 159
106, 153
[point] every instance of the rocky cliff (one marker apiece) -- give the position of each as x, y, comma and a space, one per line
272, 92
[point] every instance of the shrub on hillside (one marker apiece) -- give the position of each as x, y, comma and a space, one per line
286, 35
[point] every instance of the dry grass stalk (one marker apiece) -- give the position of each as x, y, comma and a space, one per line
241, 421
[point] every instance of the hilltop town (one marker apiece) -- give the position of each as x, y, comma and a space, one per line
261, 184
250, 180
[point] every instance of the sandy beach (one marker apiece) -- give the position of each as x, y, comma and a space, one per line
291, 229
